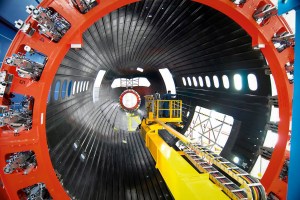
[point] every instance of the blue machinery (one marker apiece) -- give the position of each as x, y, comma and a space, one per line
294, 175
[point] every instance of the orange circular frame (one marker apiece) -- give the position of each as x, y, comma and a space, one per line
35, 139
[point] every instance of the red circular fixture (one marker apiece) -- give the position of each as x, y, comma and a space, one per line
130, 100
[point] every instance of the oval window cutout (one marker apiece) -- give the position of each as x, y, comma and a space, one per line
64, 89
252, 82
77, 87
200, 81
216, 81
195, 81
74, 87
189, 81
225, 81
207, 81
238, 81
81, 84
69, 88
56, 91
83, 88
183, 81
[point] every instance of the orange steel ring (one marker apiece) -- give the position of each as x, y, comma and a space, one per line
35, 139
138, 100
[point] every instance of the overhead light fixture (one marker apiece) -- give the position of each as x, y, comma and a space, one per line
82, 156
140, 69
236, 160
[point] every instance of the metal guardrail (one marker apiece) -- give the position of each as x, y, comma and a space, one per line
164, 110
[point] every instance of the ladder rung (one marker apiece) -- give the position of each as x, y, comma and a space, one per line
254, 184
240, 190
206, 167
242, 174
233, 168
217, 157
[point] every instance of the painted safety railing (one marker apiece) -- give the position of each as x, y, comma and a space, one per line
164, 110
168, 109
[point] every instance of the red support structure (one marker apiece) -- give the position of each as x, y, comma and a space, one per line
35, 139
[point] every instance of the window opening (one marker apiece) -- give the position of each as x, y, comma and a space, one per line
64, 89
216, 81
168, 79
74, 87
261, 164
252, 82
99, 78
69, 88
201, 81
210, 128
225, 81
124, 82
83, 88
189, 81
183, 81
195, 81
77, 88
81, 84
207, 81
57, 89
237, 81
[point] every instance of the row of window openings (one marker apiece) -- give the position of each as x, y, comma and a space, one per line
237, 78
77, 87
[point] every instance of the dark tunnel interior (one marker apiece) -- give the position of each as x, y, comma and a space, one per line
95, 156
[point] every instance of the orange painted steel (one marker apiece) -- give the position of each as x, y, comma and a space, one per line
35, 139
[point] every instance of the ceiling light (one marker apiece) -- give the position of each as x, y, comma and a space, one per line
140, 69
236, 159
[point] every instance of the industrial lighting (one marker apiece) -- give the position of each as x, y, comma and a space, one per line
252, 82
188, 114
259, 46
83, 156
225, 81
236, 160
237, 81
75, 145
140, 69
